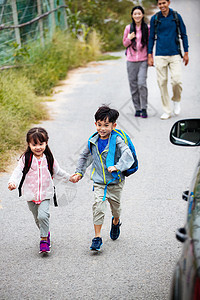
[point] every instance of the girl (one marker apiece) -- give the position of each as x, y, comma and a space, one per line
135, 40
38, 188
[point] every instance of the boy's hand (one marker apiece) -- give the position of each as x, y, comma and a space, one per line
11, 186
75, 178
112, 169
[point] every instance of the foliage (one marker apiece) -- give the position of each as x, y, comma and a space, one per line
49, 65
19, 107
108, 18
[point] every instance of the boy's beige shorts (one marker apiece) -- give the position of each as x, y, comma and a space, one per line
113, 196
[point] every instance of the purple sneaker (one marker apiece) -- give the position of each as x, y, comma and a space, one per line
44, 247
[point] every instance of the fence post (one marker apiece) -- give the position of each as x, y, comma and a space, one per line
53, 22
39, 9
15, 19
65, 15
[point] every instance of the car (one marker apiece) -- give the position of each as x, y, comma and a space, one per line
186, 277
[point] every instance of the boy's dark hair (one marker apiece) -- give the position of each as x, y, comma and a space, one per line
166, 0
105, 112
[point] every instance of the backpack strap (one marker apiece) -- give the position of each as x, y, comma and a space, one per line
131, 30
27, 165
176, 19
156, 21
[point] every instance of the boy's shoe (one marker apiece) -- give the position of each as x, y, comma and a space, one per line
144, 113
115, 230
48, 239
44, 247
96, 244
137, 113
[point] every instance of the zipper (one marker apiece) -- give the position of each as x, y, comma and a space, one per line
92, 173
104, 176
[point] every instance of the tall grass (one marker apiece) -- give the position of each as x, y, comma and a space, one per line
20, 89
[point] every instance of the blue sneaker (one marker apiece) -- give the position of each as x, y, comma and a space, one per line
96, 244
115, 230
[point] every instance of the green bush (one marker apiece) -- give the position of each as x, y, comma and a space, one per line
19, 107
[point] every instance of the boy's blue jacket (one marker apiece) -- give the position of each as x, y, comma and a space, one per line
166, 35
123, 160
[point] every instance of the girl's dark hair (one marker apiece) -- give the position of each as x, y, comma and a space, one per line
144, 29
39, 134
105, 112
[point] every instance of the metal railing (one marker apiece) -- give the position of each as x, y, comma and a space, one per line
25, 21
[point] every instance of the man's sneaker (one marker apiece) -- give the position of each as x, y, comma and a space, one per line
44, 247
177, 108
115, 230
48, 239
144, 113
96, 244
137, 113
165, 116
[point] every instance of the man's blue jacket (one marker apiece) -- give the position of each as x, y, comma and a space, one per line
166, 35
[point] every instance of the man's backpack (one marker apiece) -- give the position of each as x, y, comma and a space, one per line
111, 155
176, 19
27, 164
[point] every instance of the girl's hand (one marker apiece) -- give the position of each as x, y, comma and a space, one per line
112, 169
131, 35
11, 186
75, 178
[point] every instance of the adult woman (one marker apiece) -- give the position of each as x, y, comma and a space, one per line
135, 40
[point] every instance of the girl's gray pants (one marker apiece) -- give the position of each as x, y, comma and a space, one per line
137, 76
41, 215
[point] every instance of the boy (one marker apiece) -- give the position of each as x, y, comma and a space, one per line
105, 121
167, 54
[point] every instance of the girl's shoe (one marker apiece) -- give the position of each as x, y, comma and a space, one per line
96, 244
44, 247
115, 230
144, 113
137, 113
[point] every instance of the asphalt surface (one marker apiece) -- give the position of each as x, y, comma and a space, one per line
139, 265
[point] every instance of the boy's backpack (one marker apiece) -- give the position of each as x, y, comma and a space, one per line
112, 147
111, 155
176, 19
27, 165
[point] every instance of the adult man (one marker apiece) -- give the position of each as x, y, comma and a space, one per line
164, 29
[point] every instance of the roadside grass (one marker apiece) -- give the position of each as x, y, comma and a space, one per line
21, 89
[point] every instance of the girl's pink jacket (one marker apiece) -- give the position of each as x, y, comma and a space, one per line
38, 184
141, 53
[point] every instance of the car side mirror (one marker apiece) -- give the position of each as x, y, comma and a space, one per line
186, 133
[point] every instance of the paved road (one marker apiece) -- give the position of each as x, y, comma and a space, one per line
140, 264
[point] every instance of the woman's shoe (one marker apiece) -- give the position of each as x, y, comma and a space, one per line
144, 113
137, 113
